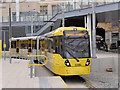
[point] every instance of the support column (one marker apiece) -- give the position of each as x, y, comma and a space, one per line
0, 34
94, 30
0, 41
85, 21
10, 33
17, 10
74, 4
90, 30
38, 42
32, 25
63, 20
0, 48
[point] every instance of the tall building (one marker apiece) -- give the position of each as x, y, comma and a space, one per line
25, 8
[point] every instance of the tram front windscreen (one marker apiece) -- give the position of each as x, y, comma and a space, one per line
76, 44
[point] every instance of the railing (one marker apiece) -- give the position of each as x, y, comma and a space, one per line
31, 64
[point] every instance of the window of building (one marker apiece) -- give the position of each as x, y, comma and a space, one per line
54, 10
43, 10
4, 1
13, 1
115, 37
14, 16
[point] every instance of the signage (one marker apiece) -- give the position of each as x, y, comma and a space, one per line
75, 34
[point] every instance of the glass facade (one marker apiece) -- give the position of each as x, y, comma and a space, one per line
13, 1
4, 1
43, 10
54, 10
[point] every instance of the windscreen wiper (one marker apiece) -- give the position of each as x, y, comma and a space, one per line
72, 56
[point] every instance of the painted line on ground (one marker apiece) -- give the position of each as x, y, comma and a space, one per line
63, 82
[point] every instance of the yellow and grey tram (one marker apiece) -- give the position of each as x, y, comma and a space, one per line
23, 46
67, 50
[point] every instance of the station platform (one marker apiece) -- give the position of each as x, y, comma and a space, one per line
17, 75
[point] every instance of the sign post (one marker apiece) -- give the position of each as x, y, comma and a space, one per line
94, 29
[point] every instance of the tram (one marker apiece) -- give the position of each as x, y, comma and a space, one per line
23, 46
67, 50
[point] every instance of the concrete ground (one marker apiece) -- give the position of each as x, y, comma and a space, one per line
99, 77
16, 75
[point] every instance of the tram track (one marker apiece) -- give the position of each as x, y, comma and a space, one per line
78, 82
69, 82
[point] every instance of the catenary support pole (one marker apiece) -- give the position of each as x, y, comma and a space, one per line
63, 20
85, 21
90, 30
94, 30
10, 32
31, 24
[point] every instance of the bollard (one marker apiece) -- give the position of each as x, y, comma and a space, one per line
31, 68
31, 71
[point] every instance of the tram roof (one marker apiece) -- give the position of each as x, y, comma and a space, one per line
25, 38
60, 30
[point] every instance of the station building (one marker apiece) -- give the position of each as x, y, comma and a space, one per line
43, 10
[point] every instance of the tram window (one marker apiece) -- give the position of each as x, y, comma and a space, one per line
46, 44
49, 46
39, 44
43, 45
58, 45
22, 46
34, 45
29, 45
17, 46
13, 44
61, 47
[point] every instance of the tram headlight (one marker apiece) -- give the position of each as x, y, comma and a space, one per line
67, 63
88, 62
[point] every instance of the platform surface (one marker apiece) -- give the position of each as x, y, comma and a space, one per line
16, 75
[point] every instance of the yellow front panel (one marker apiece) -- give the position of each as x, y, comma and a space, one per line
0, 48
77, 68
67, 71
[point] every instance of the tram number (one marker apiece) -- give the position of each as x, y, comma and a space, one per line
77, 64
